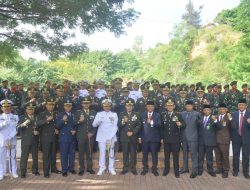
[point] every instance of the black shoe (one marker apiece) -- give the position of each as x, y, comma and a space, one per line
124, 172
46, 175
80, 173
200, 173
155, 172
247, 176
56, 171
213, 174
73, 172
64, 174
184, 171
225, 175
144, 172
193, 175
177, 175
165, 173
134, 172
23, 175
91, 171
36, 173
218, 172
235, 174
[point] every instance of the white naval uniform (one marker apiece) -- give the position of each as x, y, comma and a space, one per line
100, 93
107, 129
83, 93
8, 123
135, 94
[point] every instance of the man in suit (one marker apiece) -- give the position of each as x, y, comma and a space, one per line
129, 124
48, 134
207, 141
84, 135
223, 127
30, 138
240, 135
190, 138
171, 134
65, 125
150, 137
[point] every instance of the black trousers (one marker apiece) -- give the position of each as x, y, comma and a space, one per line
26, 149
152, 147
129, 155
208, 151
49, 156
173, 148
245, 157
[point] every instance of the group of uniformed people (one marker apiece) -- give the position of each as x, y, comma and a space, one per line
68, 117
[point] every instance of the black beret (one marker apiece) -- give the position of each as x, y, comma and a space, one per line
206, 106
222, 105
242, 100
233, 83
189, 102
150, 102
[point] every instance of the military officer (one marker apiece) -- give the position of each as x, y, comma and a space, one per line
84, 135
8, 123
171, 135
118, 88
120, 102
233, 96
107, 122
141, 103
150, 137
129, 126
42, 100
200, 100
67, 131
161, 100
48, 133
60, 98
100, 91
30, 138
215, 99
156, 92
15, 97
135, 93
181, 99
83, 91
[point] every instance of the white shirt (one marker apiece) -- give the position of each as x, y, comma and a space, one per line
107, 126
100, 93
135, 94
83, 92
8, 123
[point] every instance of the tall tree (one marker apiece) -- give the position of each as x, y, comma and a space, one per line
192, 16
46, 25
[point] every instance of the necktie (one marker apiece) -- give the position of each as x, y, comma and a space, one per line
205, 122
150, 116
241, 123
220, 118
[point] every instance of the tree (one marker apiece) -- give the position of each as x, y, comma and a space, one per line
192, 16
46, 25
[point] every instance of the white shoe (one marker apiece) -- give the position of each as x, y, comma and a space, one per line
14, 175
1, 178
112, 172
100, 172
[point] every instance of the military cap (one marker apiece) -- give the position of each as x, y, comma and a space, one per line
242, 101
206, 106
125, 89
165, 87
170, 102
130, 102
222, 105
192, 85
67, 102
6, 103
233, 83
86, 100
118, 80
198, 84
109, 88
143, 88
60, 88
226, 86
150, 102
30, 106
183, 89
50, 101
200, 88
45, 90
91, 88
136, 82
106, 102
189, 102
154, 81
244, 85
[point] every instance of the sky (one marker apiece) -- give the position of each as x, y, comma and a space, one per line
156, 21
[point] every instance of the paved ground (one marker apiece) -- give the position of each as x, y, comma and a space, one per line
128, 182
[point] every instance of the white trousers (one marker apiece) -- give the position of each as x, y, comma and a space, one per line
102, 156
5, 154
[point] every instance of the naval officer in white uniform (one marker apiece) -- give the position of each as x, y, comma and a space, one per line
8, 124
106, 121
